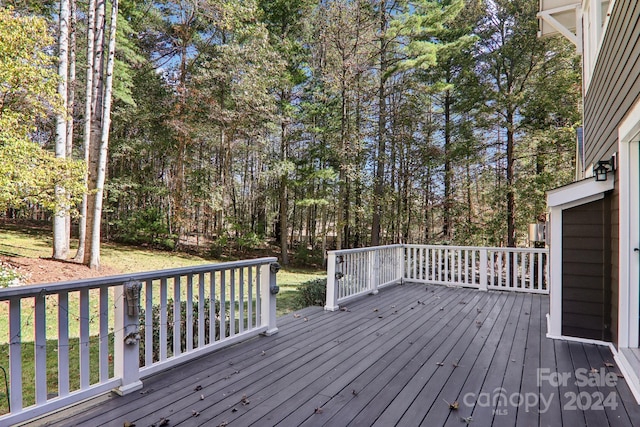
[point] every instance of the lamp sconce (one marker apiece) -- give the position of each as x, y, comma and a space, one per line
603, 167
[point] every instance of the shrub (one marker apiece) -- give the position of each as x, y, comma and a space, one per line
146, 226
155, 327
313, 292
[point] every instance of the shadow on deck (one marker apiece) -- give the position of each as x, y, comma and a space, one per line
405, 356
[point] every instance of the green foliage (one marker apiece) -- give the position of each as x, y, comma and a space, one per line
313, 292
144, 226
28, 174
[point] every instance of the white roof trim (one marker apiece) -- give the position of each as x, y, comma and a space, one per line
578, 190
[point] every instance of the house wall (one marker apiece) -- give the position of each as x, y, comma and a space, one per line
586, 271
617, 74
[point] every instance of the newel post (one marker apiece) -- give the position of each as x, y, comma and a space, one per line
484, 267
126, 352
268, 291
332, 294
374, 270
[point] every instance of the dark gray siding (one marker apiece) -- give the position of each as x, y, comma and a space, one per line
615, 83
586, 270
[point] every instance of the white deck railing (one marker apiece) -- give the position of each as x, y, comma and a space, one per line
354, 272
117, 345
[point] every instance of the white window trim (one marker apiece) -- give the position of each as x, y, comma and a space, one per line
629, 263
591, 53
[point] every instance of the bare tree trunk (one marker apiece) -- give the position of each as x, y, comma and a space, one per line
82, 226
511, 205
378, 188
283, 194
447, 232
60, 235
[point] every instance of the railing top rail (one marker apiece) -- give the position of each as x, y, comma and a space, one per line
367, 249
489, 248
74, 285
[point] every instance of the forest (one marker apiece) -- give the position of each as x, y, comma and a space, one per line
304, 125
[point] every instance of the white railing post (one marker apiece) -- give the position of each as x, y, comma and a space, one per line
374, 270
484, 265
126, 361
268, 292
400, 273
332, 291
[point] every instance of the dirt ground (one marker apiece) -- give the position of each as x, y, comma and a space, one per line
43, 270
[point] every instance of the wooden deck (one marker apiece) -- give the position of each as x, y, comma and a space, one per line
397, 358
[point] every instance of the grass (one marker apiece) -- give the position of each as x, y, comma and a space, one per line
36, 242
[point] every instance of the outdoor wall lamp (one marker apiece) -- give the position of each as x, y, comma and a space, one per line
603, 168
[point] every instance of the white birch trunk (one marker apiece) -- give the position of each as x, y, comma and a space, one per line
100, 176
96, 124
71, 97
60, 235
82, 226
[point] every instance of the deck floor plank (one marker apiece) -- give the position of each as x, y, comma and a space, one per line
436, 398
565, 366
495, 376
376, 363
549, 391
373, 381
528, 414
474, 364
474, 382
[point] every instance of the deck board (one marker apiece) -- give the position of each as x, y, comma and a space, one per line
388, 359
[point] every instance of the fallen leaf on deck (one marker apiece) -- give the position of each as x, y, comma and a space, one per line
452, 406
263, 353
195, 413
619, 375
198, 388
223, 424
441, 308
478, 310
379, 317
128, 424
295, 315
594, 370
305, 319
318, 411
354, 392
440, 363
609, 365
344, 309
163, 422
234, 410
466, 420
144, 392
375, 309
202, 397
462, 302
244, 400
